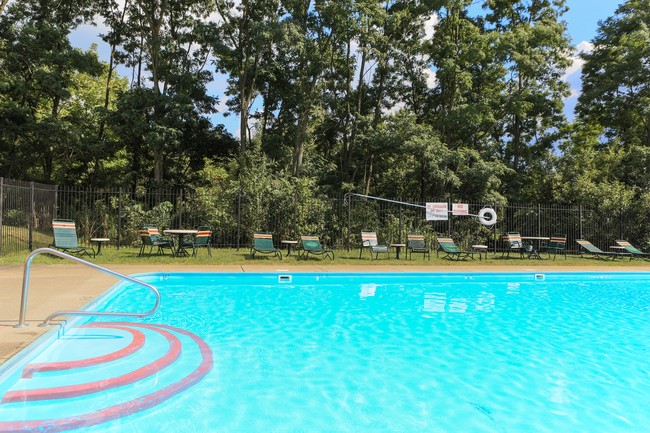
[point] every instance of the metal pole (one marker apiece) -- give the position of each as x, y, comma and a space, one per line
180, 209
399, 236
119, 217
494, 231
448, 218
621, 225
349, 228
580, 222
2, 179
238, 219
295, 216
31, 215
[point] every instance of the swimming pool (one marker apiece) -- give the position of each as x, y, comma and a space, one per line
412, 352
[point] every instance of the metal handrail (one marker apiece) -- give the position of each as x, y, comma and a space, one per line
23, 304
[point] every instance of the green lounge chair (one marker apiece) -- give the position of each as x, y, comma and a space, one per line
556, 244
596, 252
451, 250
151, 238
200, 240
369, 240
65, 238
312, 245
416, 244
635, 253
263, 243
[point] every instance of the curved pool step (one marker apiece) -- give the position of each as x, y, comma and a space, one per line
135, 345
128, 388
76, 390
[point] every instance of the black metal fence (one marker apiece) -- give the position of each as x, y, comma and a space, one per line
26, 211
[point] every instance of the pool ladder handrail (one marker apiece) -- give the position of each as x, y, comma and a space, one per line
23, 304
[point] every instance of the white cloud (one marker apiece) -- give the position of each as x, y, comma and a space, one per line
430, 26
431, 77
577, 62
573, 76
395, 108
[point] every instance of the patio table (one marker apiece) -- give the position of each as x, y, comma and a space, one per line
180, 249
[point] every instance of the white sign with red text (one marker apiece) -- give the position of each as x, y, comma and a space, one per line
437, 211
459, 209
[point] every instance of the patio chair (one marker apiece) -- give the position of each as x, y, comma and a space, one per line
635, 253
263, 243
451, 250
556, 244
312, 245
596, 252
417, 244
517, 245
202, 239
65, 238
150, 237
369, 240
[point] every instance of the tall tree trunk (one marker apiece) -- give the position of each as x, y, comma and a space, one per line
111, 67
300, 138
369, 175
243, 121
3, 4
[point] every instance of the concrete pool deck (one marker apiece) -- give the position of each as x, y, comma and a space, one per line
70, 287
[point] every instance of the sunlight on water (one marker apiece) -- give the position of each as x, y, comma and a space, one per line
407, 353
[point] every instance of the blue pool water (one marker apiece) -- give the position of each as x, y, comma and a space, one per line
563, 352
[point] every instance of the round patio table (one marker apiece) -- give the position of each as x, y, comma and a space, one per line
180, 250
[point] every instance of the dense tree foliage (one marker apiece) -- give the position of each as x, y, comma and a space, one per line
417, 98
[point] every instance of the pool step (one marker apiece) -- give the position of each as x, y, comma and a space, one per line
135, 367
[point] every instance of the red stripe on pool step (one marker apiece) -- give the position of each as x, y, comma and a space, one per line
136, 344
166, 360
124, 409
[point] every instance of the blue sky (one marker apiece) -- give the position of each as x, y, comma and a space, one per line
583, 17
582, 23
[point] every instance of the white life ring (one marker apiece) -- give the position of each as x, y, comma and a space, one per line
490, 213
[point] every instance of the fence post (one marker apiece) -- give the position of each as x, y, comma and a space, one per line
119, 217
239, 218
494, 230
295, 215
399, 235
2, 181
449, 205
621, 224
180, 208
539, 219
580, 222
347, 242
31, 215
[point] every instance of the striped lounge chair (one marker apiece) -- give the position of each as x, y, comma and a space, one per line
369, 241
417, 244
65, 238
312, 245
263, 243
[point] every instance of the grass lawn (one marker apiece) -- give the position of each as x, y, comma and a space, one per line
231, 256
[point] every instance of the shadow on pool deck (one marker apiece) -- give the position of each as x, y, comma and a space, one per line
69, 287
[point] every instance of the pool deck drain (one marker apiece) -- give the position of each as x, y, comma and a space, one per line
66, 287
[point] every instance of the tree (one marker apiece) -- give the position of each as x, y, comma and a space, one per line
468, 80
245, 35
531, 43
616, 76
39, 75
167, 43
